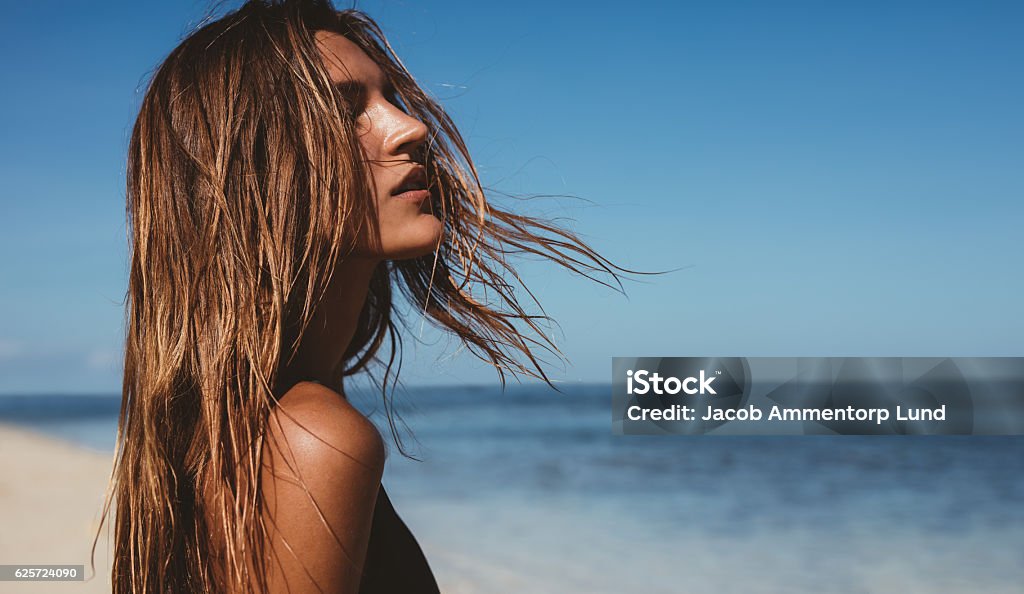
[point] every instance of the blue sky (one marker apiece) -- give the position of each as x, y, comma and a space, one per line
836, 179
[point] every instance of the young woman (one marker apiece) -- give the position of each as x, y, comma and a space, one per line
287, 180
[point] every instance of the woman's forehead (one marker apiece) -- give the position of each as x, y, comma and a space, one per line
347, 61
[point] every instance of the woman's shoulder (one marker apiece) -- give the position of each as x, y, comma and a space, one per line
323, 429
321, 478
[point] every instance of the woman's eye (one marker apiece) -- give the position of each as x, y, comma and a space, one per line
355, 100
391, 95
357, 107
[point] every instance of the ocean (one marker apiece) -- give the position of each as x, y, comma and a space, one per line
527, 490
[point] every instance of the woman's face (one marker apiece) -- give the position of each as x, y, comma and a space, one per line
393, 142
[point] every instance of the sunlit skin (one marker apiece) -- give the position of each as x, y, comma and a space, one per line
338, 452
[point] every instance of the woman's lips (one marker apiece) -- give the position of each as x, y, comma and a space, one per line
413, 195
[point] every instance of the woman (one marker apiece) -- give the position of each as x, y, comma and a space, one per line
285, 176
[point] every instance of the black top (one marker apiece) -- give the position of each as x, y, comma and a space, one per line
394, 560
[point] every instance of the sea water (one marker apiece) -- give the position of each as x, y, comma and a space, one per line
527, 490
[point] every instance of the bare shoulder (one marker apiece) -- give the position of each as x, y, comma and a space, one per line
322, 430
322, 467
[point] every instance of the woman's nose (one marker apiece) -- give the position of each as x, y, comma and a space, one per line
407, 136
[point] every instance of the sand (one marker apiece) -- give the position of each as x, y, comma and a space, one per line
51, 497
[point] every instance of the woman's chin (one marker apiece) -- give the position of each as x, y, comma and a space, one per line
421, 239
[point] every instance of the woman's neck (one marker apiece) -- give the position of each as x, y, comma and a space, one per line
333, 325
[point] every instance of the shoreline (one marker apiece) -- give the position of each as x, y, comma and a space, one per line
51, 498
921, 517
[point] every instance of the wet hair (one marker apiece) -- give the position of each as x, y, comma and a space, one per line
246, 185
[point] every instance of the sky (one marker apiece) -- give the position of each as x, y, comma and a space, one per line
827, 179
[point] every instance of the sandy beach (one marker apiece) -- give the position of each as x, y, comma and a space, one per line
51, 497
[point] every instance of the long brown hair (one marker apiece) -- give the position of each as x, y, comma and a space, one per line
245, 186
